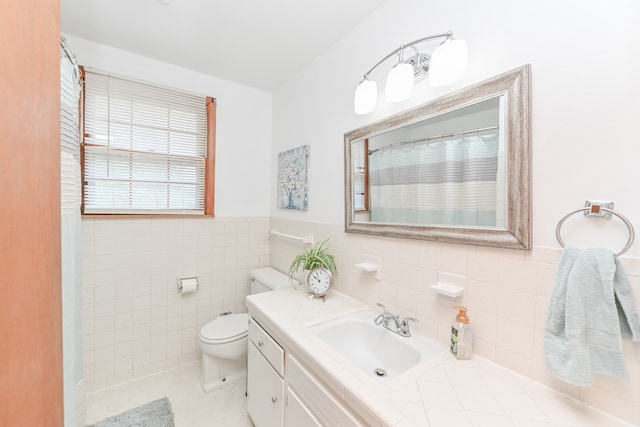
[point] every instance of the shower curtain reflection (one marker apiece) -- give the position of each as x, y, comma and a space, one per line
443, 182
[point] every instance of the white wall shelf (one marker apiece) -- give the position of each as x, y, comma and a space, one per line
367, 266
370, 264
448, 290
450, 285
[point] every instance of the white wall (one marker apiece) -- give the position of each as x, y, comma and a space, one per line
134, 322
585, 99
585, 112
243, 131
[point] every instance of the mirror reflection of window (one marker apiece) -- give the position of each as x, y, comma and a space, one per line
361, 176
446, 179
443, 170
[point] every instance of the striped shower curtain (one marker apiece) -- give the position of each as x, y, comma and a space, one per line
447, 182
71, 239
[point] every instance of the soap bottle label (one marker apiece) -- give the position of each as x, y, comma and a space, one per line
454, 340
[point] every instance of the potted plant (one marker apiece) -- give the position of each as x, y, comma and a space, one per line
313, 257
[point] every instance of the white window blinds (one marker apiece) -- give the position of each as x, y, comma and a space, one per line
144, 148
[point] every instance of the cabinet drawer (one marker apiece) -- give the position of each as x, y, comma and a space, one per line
328, 410
269, 348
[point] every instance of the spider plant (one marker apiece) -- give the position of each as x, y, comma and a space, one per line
313, 257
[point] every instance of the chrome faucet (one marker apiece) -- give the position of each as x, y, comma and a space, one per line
387, 316
392, 322
405, 331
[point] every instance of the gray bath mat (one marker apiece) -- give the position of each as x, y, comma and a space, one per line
153, 414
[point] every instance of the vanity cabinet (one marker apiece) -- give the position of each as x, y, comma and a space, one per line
296, 414
283, 392
316, 398
265, 383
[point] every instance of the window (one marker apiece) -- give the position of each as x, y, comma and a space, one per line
361, 175
146, 149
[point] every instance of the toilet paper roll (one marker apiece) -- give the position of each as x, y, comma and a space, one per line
189, 284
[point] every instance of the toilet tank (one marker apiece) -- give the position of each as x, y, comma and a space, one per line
267, 279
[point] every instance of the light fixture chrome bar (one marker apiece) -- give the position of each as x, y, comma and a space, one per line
447, 35
445, 65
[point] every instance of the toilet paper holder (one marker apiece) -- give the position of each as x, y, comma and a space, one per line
186, 279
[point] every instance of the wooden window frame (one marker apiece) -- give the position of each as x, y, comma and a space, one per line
209, 175
366, 179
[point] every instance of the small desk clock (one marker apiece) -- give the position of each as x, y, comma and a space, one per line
319, 282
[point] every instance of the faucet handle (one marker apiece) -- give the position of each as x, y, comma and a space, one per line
386, 310
405, 331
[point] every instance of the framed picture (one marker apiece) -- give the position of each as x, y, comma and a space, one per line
293, 181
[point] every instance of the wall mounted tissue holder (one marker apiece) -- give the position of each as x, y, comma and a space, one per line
187, 284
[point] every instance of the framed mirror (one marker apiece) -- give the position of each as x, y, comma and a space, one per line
456, 169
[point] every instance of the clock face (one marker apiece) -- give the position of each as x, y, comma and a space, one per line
319, 281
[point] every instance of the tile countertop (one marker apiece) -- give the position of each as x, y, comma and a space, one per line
442, 391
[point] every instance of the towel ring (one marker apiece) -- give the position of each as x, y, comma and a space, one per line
611, 211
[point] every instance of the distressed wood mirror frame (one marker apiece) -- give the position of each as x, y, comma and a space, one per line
514, 85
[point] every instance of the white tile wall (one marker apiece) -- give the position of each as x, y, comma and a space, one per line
507, 294
135, 323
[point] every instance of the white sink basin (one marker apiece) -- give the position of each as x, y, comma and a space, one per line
379, 352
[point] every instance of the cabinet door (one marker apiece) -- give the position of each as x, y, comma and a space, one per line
329, 409
265, 391
296, 414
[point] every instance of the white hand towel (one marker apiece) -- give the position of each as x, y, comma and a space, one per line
590, 309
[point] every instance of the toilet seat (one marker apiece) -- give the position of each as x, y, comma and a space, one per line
225, 329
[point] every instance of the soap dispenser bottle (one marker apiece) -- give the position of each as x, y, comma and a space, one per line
461, 336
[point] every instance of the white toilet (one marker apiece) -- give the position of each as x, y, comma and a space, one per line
223, 340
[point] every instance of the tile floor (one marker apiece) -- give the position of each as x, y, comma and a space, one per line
225, 407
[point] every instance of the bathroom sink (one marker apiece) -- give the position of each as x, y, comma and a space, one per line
374, 349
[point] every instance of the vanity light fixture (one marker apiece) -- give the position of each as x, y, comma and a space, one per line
445, 66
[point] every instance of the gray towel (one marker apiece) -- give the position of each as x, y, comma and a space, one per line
590, 310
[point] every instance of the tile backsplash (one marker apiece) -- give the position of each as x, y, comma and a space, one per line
135, 323
507, 292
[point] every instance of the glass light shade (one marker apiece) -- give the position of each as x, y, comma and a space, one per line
448, 63
399, 82
366, 97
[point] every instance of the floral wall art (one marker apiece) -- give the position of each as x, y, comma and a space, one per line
293, 184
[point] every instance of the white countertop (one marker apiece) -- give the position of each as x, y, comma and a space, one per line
442, 391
